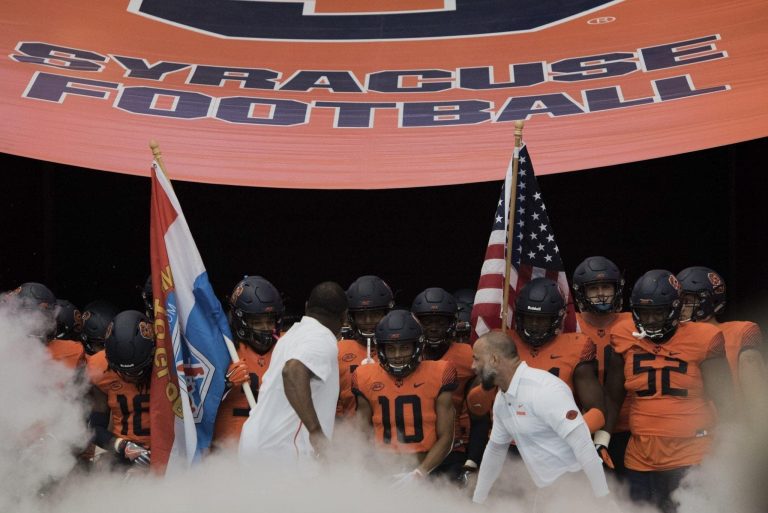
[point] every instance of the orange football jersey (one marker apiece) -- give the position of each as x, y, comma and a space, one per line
602, 339
234, 409
560, 356
129, 406
670, 415
68, 352
351, 355
739, 335
404, 410
460, 355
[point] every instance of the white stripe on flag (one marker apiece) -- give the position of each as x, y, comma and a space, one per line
497, 237
492, 295
493, 266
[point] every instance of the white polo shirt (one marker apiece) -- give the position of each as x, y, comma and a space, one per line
538, 411
273, 429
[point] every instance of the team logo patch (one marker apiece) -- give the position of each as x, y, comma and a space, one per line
673, 281
115, 385
146, 331
377, 386
348, 357
347, 20
572, 414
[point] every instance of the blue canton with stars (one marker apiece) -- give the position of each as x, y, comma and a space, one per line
534, 242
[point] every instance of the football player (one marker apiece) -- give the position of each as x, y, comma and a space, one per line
673, 372
408, 402
598, 288
66, 345
36, 297
96, 318
465, 299
121, 376
255, 317
437, 311
369, 299
703, 298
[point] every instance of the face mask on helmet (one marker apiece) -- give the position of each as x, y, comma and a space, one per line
437, 329
400, 358
537, 330
364, 321
259, 331
600, 296
657, 323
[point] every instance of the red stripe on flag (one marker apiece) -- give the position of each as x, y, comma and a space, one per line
164, 379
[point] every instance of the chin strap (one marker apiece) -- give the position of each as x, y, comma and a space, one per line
643, 334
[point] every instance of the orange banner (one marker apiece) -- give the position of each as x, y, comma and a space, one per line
377, 94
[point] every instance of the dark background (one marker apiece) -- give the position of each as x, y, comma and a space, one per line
85, 233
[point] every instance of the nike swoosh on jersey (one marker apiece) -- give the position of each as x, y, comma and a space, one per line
417, 385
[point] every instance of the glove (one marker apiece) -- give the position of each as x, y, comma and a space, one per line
406, 479
237, 373
602, 440
132, 452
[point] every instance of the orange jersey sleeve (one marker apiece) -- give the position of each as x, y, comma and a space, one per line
460, 355
665, 380
234, 409
560, 356
351, 355
739, 336
601, 336
404, 411
128, 405
68, 352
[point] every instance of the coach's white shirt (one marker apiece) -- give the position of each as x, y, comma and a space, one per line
538, 411
273, 429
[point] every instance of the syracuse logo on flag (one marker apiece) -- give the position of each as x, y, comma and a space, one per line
191, 357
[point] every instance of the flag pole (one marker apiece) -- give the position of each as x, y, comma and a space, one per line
510, 224
158, 156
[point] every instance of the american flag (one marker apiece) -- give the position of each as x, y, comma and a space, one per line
534, 252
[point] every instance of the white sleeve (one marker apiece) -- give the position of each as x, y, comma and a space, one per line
316, 356
490, 468
581, 444
555, 405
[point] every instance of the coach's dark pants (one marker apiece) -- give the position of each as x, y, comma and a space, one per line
655, 487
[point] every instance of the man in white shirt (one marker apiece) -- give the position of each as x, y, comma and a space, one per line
294, 416
537, 411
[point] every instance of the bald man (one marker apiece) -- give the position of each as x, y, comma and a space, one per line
537, 411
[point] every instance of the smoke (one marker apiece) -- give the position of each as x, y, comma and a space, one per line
42, 415
42, 424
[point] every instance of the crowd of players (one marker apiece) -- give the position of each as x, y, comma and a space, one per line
652, 383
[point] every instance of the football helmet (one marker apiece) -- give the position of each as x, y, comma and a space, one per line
369, 298
69, 320
397, 329
707, 289
256, 313
465, 299
595, 270
539, 312
655, 303
96, 318
130, 345
436, 310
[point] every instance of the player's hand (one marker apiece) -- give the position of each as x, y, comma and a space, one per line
237, 373
602, 439
406, 479
320, 443
133, 452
